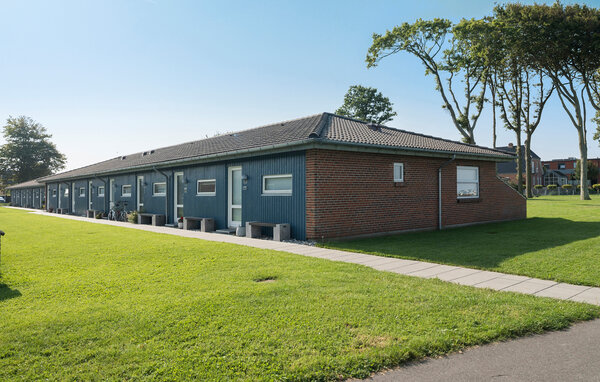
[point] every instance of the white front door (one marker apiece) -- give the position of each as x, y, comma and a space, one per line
178, 195
140, 193
111, 194
235, 197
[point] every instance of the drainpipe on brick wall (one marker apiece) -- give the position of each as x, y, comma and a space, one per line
440, 189
166, 192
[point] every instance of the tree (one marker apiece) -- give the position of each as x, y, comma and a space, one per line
447, 58
564, 42
522, 87
592, 172
366, 104
28, 152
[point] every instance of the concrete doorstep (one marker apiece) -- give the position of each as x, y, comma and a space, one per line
459, 275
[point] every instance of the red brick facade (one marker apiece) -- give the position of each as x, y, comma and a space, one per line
353, 193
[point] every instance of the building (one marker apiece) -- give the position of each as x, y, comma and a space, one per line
508, 170
327, 176
30, 194
561, 171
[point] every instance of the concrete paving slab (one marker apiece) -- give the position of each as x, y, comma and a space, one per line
590, 296
530, 286
457, 273
406, 269
562, 291
477, 278
393, 264
498, 283
433, 271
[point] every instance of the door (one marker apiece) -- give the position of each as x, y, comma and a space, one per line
111, 194
90, 191
235, 197
140, 193
73, 198
178, 195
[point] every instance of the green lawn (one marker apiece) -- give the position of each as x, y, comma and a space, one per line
82, 301
559, 241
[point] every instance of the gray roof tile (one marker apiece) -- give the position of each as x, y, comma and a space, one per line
324, 128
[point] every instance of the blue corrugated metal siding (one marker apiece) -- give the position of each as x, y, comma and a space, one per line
255, 206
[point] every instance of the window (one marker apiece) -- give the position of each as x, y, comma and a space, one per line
126, 190
100, 191
277, 184
159, 189
66, 192
54, 193
206, 187
467, 182
398, 172
562, 166
82, 192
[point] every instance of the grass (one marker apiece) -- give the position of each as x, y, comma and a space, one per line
559, 241
82, 301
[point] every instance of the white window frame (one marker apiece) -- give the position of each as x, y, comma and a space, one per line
276, 192
54, 192
206, 193
100, 193
154, 193
67, 192
82, 195
401, 166
126, 194
470, 181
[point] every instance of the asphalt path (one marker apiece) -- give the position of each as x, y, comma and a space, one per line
569, 355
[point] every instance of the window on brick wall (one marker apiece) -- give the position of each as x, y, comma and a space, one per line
467, 182
398, 172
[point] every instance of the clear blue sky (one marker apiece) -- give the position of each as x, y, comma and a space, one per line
114, 77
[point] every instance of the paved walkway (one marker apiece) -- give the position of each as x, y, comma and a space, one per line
567, 355
459, 275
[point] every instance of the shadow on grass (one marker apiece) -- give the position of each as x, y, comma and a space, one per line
6, 293
481, 246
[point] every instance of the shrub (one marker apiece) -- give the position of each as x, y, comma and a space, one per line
538, 186
99, 215
596, 187
567, 186
132, 217
552, 186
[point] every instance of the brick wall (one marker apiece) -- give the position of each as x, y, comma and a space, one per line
352, 193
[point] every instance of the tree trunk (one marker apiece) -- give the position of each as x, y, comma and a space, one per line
494, 117
584, 193
519, 163
528, 180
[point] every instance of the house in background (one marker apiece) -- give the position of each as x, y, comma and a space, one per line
562, 170
327, 176
508, 170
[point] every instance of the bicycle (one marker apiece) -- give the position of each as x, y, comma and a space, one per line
117, 213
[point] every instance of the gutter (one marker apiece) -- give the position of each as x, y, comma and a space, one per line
166, 192
440, 189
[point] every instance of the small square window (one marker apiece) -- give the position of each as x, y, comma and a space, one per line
100, 191
159, 189
82, 192
398, 172
126, 190
66, 192
277, 184
54, 193
206, 187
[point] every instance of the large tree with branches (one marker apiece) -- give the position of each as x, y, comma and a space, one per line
448, 59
